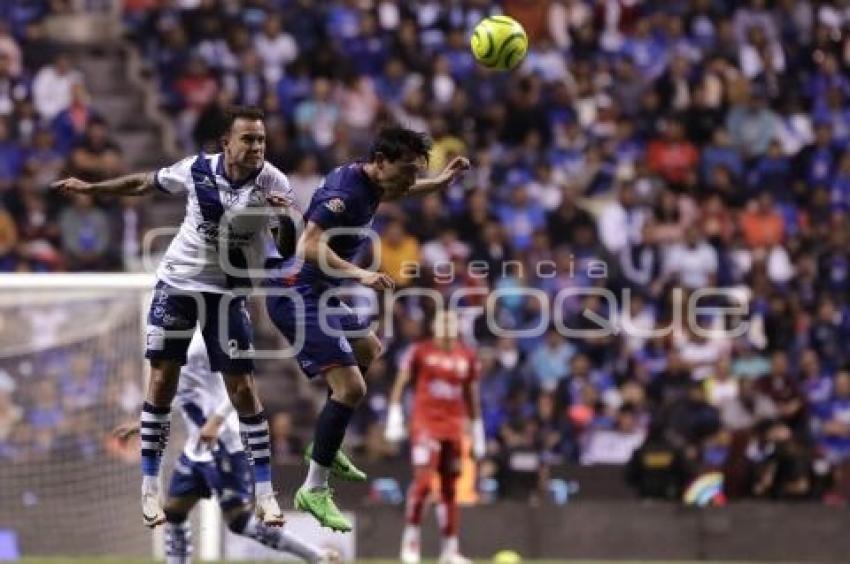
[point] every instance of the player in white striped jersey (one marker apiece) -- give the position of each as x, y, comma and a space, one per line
214, 461
233, 198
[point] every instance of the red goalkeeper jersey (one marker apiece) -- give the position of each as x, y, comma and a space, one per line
439, 409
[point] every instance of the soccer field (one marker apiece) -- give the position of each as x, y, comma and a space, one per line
108, 560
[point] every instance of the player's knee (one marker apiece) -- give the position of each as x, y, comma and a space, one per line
242, 392
370, 350
174, 516
238, 521
353, 392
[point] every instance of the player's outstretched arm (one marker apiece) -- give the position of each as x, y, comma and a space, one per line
313, 246
129, 185
472, 397
452, 172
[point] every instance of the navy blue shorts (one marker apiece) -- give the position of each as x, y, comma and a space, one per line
172, 320
319, 351
228, 476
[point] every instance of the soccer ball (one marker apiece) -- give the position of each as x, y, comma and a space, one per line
499, 43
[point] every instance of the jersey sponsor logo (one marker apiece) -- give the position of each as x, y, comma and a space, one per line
456, 364
344, 345
444, 390
211, 234
231, 197
335, 205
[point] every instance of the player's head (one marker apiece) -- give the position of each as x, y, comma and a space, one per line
397, 156
446, 325
244, 137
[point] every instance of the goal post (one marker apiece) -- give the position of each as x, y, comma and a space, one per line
71, 368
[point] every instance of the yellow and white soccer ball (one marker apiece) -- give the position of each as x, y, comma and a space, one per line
499, 42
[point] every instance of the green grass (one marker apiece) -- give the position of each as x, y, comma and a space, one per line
115, 560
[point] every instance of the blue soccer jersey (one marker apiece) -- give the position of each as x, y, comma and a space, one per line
344, 207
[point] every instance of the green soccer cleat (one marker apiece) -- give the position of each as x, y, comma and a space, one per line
341, 467
319, 503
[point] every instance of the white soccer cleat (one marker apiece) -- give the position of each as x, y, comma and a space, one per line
410, 551
454, 558
268, 511
152, 513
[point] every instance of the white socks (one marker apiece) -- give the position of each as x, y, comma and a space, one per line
263, 488
317, 476
150, 484
450, 546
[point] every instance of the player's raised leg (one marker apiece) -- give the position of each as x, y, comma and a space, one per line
178, 531
366, 350
155, 427
236, 366
231, 481
170, 324
254, 428
315, 496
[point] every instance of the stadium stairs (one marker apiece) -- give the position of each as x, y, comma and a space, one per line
124, 93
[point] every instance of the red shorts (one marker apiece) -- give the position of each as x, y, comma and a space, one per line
436, 455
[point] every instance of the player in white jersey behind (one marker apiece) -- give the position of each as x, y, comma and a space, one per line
233, 198
214, 461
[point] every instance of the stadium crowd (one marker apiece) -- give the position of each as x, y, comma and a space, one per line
49, 128
652, 149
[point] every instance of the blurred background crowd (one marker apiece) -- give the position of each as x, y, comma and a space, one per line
649, 148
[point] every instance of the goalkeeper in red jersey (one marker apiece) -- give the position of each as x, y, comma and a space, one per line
445, 376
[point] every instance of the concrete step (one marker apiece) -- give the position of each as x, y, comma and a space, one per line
140, 146
122, 111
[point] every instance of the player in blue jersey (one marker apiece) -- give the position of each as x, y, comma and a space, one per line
348, 199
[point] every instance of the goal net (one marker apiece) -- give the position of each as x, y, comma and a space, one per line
71, 368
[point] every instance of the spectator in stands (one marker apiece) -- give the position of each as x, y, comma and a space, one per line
549, 363
658, 468
96, 156
85, 235
44, 161
693, 263
761, 223
69, 125
13, 88
399, 253
784, 465
11, 157
833, 426
52, 86
276, 48
317, 118
197, 89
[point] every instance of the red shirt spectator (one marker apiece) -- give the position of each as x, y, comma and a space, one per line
762, 225
673, 157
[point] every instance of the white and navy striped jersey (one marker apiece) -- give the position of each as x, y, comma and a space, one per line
200, 393
222, 218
